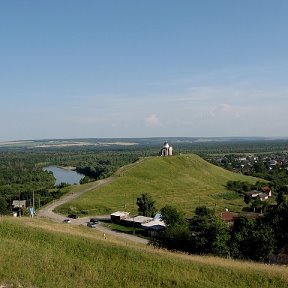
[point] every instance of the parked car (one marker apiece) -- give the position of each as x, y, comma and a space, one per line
91, 225
66, 221
94, 220
73, 216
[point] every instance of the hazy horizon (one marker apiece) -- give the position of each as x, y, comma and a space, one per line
131, 69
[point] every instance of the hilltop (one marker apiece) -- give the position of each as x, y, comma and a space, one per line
186, 181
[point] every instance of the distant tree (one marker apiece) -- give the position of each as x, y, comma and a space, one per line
262, 242
3, 206
175, 237
171, 216
146, 205
280, 197
240, 237
256, 204
278, 219
209, 234
247, 199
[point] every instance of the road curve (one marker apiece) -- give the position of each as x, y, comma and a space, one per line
47, 212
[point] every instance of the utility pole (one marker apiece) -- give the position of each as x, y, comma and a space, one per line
33, 205
19, 206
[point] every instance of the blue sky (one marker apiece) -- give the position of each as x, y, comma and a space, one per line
143, 68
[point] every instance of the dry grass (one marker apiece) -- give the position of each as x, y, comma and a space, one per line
38, 253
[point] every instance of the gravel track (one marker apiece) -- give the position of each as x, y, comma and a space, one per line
47, 212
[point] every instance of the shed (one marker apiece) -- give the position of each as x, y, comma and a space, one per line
154, 226
136, 221
19, 203
118, 216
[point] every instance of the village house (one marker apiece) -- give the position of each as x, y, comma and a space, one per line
264, 194
228, 217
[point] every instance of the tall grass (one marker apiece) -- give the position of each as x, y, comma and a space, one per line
185, 181
38, 254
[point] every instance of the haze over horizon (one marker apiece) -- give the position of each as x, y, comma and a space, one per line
115, 69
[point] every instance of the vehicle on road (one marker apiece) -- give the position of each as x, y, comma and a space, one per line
66, 221
94, 220
91, 225
73, 216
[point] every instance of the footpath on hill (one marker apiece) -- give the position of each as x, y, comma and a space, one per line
47, 212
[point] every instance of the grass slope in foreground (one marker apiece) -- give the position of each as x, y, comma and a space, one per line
186, 181
37, 253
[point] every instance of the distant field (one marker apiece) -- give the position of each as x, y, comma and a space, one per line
185, 181
37, 253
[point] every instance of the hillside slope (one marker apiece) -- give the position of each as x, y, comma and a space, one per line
185, 181
37, 253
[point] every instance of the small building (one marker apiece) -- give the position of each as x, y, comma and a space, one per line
154, 226
19, 204
136, 221
253, 194
267, 190
273, 162
117, 216
263, 196
228, 217
166, 150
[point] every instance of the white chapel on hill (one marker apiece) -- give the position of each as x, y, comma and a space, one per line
166, 150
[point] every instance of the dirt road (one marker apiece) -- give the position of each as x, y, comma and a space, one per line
47, 212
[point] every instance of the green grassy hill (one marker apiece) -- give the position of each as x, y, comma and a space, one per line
186, 181
37, 253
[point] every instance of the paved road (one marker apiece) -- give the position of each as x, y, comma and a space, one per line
47, 212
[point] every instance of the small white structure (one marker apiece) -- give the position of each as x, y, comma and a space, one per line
166, 150
155, 225
19, 204
263, 196
136, 221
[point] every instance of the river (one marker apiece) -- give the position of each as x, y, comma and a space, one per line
64, 175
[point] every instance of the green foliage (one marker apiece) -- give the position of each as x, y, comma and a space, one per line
171, 216
280, 197
209, 234
174, 237
247, 199
146, 205
244, 186
3, 206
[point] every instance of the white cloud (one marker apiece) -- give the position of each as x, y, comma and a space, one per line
229, 110
152, 120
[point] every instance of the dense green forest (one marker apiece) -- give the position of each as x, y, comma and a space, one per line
21, 172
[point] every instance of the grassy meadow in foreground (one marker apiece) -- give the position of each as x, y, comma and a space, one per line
37, 253
186, 181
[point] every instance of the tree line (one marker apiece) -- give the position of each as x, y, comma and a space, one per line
22, 174
206, 233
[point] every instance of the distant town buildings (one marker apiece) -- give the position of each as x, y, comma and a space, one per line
166, 150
